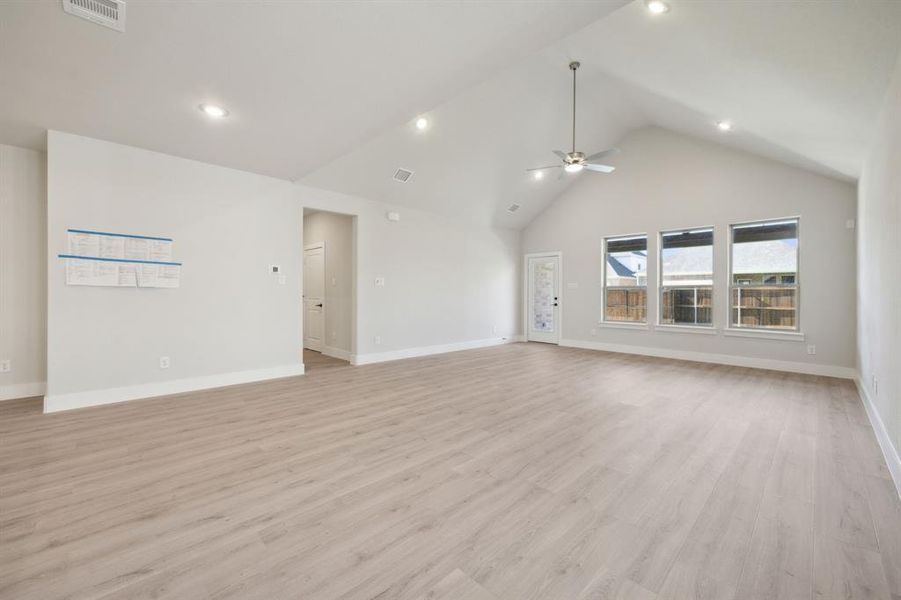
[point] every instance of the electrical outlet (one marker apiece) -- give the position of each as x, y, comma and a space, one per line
811, 349
377, 340
594, 331
6, 365
494, 329
334, 335
164, 362
282, 279
380, 282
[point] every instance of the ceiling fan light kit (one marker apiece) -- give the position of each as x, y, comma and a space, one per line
574, 161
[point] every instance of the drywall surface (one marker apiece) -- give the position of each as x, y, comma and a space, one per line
447, 283
337, 233
879, 267
668, 181
23, 251
229, 315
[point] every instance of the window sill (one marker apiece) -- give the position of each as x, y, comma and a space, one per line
624, 325
785, 336
686, 329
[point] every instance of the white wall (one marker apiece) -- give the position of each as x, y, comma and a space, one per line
23, 250
336, 231
879, 271
667, 181
447, 283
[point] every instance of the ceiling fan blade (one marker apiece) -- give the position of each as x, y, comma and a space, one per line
543, 168
560, 153
600, 168
602, 154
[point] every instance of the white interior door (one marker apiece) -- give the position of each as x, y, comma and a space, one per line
313, 296
543, 298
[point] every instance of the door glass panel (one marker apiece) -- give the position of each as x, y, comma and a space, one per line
543, 276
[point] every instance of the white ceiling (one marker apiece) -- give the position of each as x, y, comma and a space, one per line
304, 81
326, 92
802, 81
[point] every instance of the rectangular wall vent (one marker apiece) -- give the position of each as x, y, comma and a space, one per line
403, 175
109, 13
513, 208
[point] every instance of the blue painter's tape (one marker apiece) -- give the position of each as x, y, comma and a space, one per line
121, 260
124, 235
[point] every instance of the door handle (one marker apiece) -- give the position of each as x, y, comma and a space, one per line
318, 305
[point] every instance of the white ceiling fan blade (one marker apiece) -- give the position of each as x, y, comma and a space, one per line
560, 153
600, 168
543, 168
602, 154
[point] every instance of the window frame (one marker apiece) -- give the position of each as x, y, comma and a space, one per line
604, 287
699, 327
730, 329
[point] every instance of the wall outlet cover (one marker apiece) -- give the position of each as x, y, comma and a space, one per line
380, 282
6, 365
164, 362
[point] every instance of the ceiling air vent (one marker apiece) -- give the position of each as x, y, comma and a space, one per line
513, 208
403, 175
109, 13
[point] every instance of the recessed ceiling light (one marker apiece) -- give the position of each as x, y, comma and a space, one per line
538, 175
422, 123
573, 167
211, 110
657, 7
724, 126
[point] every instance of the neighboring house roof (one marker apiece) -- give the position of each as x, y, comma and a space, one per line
773, 256
693, 260
618, 267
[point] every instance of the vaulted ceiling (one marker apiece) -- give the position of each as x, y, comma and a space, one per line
327, 93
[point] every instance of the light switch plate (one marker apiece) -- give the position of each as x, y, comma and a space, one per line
380, 282
6, 365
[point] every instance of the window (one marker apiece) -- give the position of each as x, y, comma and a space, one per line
764, 278
686, 277
626, 279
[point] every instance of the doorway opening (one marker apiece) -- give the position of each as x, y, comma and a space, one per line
329, 294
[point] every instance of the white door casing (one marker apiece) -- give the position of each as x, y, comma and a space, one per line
543, 297
314, 296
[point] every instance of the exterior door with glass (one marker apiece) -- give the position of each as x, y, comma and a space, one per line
543, 298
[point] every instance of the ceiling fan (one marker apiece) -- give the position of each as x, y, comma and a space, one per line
573, 162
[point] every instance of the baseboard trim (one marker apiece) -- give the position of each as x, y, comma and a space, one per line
336, 353
15, 391
377, 357
721, 359
892, 458
59, 402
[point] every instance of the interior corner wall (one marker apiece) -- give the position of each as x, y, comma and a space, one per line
449, 284
230, 320
665, 181
879, 270
23, 250
337, 232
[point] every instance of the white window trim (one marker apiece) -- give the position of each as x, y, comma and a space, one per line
660, 287
765, 334
646, 324
796, 334
634, 325
702, 329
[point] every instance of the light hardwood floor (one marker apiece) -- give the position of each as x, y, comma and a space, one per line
516, 472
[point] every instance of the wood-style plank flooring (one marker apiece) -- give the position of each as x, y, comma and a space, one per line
517, 472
